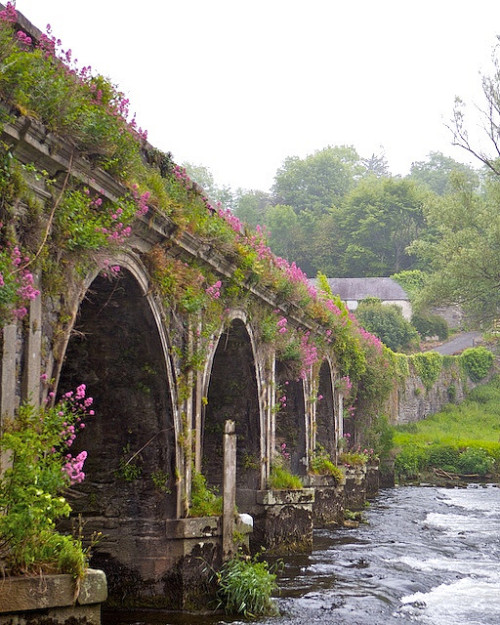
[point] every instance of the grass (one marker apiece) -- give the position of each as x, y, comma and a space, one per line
245, 587
281, 479
459, 439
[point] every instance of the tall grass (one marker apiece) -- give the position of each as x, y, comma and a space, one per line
459, 439
245, 587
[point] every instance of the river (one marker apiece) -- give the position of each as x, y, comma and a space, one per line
426, 555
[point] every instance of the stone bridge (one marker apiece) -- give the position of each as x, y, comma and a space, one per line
164, 379
180, 322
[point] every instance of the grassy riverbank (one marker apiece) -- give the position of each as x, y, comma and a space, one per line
460, 440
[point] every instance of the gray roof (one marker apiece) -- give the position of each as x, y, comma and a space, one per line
351, 289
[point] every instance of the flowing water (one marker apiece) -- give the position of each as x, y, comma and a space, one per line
427, 555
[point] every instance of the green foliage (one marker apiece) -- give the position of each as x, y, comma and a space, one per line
412, 281
436, 172
377, 221
320, 463
204, 500
428, 325
31, 493
380, 437
428, 366
475, 461
88, 108
477, 362
462, 253
387, 323
353, 458
245, 587
318, 181
460, 439
409, 462
161, 480
281, 479
128, 467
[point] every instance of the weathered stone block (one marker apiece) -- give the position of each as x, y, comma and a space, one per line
24, 599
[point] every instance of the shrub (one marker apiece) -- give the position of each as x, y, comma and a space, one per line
320, 463
32, 487
444, 457
409, 462
245, 587
204, 500
387, 323
428, 325
475, 461
477, 362
428, 367
484, 394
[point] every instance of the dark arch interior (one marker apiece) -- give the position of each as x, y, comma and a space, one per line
325, 411
232, 394
115, 350
291, 419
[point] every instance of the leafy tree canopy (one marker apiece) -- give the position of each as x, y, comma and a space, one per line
465, 259
437, 170
318, 181
378, 220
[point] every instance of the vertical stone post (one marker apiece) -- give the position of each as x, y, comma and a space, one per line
229, 489
31, 382
8, 402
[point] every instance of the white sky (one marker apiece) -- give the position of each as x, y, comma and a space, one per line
239, 85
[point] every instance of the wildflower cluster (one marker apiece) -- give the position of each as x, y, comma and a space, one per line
213, 291
16, 284
44, 80
344, 386
88, 222
309, 352
32, 487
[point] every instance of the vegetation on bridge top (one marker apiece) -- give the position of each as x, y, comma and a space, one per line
77, 227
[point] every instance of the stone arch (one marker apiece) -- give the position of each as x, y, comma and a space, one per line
291, 428
326, 413
232, 386
118, 349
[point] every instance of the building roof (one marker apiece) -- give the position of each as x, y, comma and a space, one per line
351, 289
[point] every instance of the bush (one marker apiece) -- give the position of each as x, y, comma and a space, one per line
443, 457
387, 323
477, 362
245, 587
475, 461
204, 500
320, 463
409, 462
428, 325
32, 488
484, 394
428, 367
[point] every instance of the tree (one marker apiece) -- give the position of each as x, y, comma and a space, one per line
436, 172
378, 220
251, 206
464, 259
376, 166
318, 181
204, 178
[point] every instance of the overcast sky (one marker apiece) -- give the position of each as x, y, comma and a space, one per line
239, 85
